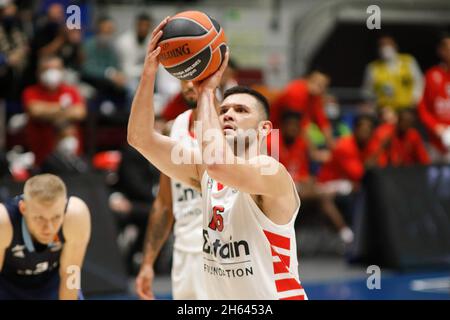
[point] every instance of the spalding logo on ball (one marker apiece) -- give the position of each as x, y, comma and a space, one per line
193, 46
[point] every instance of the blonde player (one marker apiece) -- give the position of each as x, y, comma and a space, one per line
249, 245
43, 240
182, 203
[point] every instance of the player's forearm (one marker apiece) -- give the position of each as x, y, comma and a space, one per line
142, 116
212, 133
65, 293
158, 230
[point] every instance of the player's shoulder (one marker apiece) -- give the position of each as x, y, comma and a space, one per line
6, 230
77, 219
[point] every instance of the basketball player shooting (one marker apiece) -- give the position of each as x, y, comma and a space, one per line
249, 245
43, 240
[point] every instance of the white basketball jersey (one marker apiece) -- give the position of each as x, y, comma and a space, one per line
246, 255
186, 201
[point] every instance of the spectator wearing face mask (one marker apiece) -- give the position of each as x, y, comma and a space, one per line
101, 65
305, 96
49, 103
394, 80
65, 159
338, 126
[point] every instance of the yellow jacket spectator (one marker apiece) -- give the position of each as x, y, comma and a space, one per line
394, 80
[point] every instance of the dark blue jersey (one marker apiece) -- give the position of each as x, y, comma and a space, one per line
29, 265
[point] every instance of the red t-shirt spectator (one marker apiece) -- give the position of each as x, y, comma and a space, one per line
177, 105
346, 163
405, 150
41, 136
434, 108
295, 159
296, 97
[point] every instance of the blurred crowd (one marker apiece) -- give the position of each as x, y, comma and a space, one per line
65, 96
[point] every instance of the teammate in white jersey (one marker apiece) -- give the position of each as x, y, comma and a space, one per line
180, 202
249, 241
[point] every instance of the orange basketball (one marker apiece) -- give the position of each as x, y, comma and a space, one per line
193, 46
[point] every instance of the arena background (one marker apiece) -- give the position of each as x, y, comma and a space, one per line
403, 214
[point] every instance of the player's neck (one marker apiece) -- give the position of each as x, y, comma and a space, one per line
249, 151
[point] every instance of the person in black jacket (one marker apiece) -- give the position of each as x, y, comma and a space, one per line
132, 200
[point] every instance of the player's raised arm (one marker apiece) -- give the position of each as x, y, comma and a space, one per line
157, 148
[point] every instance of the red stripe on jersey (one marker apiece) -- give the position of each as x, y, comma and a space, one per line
285, 259
299, 297
287, 284
279, 267
278, 240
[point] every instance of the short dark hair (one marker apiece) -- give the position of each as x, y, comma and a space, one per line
291, 114
363, 117
443, 36
103, 18
257, 95
144, 17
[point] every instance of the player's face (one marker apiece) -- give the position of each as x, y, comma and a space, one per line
363, 132
189, 93
239, 113
44, 219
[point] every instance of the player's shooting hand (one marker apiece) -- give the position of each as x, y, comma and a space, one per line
213, 81
153, 50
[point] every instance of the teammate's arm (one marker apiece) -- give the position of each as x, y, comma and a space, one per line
77, 231
158, 229
142, 135
6, 233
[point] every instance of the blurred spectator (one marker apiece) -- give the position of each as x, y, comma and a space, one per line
136, 189
295, 155
434, 108
13, 50
71, 50
398, 143
48, 39
101, 67
305, 96
338, 126
348, 157
4, 166
65, 159
395, 79
48, 104
132, 49
186, 99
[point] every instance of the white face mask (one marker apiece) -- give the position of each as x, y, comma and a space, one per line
52, 78
388, 53
332, 110
68, 146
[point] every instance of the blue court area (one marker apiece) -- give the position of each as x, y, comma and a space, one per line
415, 286
407, 286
